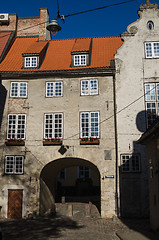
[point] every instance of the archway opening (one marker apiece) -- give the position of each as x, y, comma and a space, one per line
69, 180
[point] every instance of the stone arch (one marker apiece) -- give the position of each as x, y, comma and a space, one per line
49, 187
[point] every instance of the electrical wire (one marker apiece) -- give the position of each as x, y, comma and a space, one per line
95, 9
73, 14
121, 110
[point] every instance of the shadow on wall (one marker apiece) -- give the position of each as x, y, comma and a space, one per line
133, 176
141, 121
3, 94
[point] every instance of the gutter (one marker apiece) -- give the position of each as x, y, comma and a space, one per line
116, 149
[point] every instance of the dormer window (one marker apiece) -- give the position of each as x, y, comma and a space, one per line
30, 62
79, 60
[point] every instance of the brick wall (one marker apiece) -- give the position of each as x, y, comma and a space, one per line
29, 26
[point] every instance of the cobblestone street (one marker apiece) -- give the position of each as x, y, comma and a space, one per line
65, 228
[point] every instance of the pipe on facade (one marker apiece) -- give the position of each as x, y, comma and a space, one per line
116, 149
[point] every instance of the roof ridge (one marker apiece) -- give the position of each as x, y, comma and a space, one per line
84, 38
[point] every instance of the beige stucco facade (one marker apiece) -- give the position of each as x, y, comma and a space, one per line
37, 157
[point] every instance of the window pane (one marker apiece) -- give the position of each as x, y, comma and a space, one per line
48, 126
49, 89
23, 89
18, 164
21, 126
58, 126
84, 87
125, 163
58, 88
148, 47
93, 87
150, 92
76, 60
84, 172
151, 112
94, 125
156, 49
9, 164
14, 89
84, 125
83, 60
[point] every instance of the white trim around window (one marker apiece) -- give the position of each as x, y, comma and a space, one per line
14, 164
130, 163
89, 87
31, 62
152, 49
53, 125
16, 126
80, 60
18, 89
89, 124
54, 89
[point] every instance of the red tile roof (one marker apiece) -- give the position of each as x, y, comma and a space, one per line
58, 54
4, 37
36, 47
81, 44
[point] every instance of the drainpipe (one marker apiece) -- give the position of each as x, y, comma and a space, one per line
116, 149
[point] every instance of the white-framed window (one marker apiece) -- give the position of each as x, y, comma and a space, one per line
152, 49
83, 172
130, 163
89, 87
16, 126
79, 60
53, 125
14, 164
152, 102
62, 174
89, 124
30, 62
54, 89
18, 89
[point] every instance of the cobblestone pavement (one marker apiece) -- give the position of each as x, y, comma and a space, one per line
65, 228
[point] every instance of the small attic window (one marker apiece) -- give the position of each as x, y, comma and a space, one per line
150, 25
80, 60
31, 62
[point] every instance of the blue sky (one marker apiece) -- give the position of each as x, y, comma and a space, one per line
110, 21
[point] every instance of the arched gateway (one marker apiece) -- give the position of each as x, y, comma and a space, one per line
69, 180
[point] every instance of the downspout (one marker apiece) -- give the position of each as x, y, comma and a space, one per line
116, 148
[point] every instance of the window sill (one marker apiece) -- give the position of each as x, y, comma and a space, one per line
90, 142
15, 143
52, 143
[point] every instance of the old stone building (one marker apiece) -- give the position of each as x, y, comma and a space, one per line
137, 82
57, 132
71, 113
150, 138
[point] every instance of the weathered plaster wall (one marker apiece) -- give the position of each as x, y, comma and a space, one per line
132, 71
37, 155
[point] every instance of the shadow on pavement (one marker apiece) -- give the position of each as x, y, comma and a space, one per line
40, 228
141, 226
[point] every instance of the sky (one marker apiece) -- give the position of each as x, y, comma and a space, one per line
111, 21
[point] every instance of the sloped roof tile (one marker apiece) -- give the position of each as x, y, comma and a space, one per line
58, 54
4, 37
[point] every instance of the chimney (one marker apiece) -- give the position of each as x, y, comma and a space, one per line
44, 34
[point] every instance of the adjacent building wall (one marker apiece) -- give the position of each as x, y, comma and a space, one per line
133, 70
